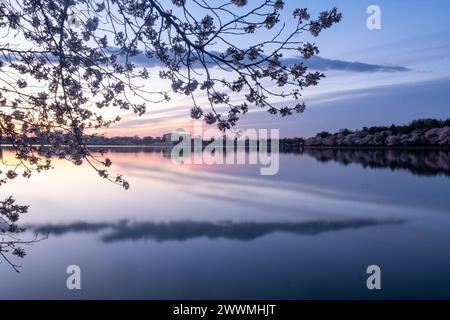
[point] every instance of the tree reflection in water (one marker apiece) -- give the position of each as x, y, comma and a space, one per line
424, 162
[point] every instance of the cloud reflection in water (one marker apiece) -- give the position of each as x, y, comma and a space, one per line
186, 230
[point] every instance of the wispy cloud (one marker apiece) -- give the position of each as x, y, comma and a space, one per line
323, 64
316, 63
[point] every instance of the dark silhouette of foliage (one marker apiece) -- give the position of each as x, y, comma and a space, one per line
421, 132
324, 134
9, 231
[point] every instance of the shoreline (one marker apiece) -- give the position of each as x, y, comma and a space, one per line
299, 147
380, 147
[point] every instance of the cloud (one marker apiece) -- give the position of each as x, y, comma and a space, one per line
323, 64
316, 63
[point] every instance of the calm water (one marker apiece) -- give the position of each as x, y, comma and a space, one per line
204, 232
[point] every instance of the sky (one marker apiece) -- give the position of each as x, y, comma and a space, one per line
396, 74
414, 35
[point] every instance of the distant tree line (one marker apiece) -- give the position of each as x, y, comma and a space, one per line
395, 129
421, 132
417, 132
103, 140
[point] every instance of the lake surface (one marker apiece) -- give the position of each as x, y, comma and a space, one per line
226, 232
